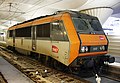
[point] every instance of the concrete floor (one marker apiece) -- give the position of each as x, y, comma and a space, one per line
11, 74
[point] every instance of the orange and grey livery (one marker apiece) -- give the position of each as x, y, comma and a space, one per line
69, 37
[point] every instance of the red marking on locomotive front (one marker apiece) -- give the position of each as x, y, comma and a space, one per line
101, 37
55, 49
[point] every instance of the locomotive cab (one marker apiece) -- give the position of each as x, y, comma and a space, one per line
93, 41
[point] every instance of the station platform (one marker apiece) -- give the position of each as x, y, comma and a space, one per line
11, 74
116, 64
117, 61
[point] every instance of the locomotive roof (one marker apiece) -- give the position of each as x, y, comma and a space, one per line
72, 13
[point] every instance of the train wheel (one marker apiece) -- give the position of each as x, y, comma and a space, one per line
74, 70
56, 65
59, 66
43, 59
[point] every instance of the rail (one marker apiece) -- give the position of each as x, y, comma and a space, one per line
112, 72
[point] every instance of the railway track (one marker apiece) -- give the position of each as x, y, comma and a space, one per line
38, 72
111, 72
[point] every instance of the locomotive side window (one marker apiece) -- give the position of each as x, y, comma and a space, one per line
43, 30
23, 32
10, 33
58, 32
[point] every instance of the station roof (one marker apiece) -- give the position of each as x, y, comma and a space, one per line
17, 11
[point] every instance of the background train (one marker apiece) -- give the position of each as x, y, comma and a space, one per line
66, 38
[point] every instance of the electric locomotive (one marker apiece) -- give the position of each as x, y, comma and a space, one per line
70, 38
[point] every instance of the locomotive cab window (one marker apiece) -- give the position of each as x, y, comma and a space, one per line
58, 32
95, 24
88, 26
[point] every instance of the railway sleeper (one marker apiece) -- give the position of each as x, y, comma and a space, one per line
70, 80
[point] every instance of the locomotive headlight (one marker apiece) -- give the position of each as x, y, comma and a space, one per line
84, 49
102, 48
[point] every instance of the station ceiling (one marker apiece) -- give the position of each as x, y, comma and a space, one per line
15, 11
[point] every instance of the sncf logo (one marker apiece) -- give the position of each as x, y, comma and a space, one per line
55, 49
101, 37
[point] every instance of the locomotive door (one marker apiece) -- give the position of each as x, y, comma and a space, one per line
60, 43
13, 38
34, 38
